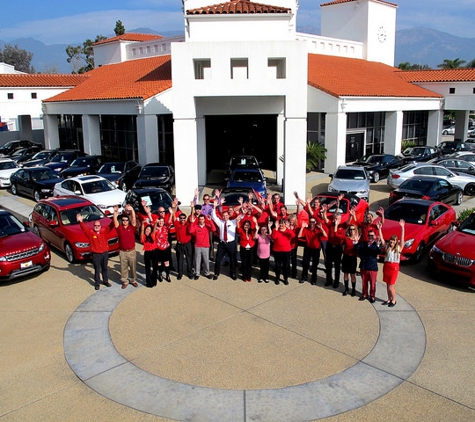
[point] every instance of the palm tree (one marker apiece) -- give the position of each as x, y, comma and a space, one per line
451, 64
471, 64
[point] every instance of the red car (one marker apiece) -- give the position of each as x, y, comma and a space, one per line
23, 252
54, 219
454, 254
346, 203
426, 222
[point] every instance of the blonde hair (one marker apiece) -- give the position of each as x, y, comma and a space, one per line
397, 247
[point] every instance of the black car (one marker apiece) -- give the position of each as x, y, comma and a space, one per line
457, 165
123, 174
417, 154
41, 158
378, 165
23, 154
35, 182
449, 147
238, 161
428, 187
63, 159
83, 166
10, 147
156, 175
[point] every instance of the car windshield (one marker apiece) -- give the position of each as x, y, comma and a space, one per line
331, 202
155, 171
232, 198
61, 158
350, 174
247, 176
97, 186
42, 155
156, 200
417, 184
410, 212
20, 152
88, 212
468, 225
370, 159
417, 151
43, 174
7, 165
243, 162
109, 168
81, 162
10, 225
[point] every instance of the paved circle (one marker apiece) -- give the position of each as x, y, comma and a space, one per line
91, 354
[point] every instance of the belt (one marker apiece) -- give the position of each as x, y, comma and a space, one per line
229, 241
128, 250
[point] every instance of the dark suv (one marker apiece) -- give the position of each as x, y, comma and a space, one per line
156, 175
11, 146
82, 166
63, 159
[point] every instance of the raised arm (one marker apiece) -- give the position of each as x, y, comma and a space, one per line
114, 217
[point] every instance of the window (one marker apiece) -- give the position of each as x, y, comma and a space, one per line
202, 68
34, 96
239, 69
10, 95
276, 68
451, 90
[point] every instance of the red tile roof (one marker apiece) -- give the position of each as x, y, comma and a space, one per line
345, 77
349, 1
130, 37
41, 80
442, 75
237, 7
141, 78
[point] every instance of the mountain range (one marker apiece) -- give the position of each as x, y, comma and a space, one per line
422, 46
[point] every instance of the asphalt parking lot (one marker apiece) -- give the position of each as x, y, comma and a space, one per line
225, 351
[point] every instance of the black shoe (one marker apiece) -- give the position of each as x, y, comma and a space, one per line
301, 281
335, 285
286, 282
215, 277
362, 298
233, 277
266, 281
372, 299
353, 292
328, 283
96, 287
160, 278
259, 281
391, 304
107, 284
167, 278
313, 282
386, 302
179, 277
277, 282
345, 292
293, 275
209, 276
197, 277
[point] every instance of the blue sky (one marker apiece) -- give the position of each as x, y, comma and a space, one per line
68, 22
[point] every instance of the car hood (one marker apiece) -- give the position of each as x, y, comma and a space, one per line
349, 185
457, 241
259, 187
8, 172
76, 170
19, 242
49, 184
151, 181
411, 231
112, 177
33, 163
110, 198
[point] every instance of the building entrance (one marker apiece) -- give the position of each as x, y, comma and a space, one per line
354, 146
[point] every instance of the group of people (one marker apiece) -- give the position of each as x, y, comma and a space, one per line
259, 229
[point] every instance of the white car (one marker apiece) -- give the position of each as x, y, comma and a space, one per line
351, 179
7, 168
449, 130
94, 188
462, 180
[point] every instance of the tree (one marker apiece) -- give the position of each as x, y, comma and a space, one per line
119, 28
82, 57
451, 64
414, 66
15, 56
471, 64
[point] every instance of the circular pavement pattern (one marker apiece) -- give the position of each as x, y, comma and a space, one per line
91, 353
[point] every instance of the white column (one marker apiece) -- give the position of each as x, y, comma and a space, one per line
147, 138
393, 132
51, 133
186, 158
24, 127
91, 134
335, 140
461, 124
434, 127
279, 174
295, 153
201, 150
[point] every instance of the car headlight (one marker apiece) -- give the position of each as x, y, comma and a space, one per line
42, 247
436, 250
82, 245
102, 206
4, 178
409, 243
3, 259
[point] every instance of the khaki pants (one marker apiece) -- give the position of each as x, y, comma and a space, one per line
128, 260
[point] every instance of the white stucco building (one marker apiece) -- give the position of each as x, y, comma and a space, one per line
242, 80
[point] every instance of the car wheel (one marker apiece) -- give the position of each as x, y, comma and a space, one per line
444, 132
14, 189
458, 201
470, 189
68, 250
375, 177
36, 230
36, 196
419, 252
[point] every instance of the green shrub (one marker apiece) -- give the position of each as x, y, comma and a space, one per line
407, 143
316, 153
465, 213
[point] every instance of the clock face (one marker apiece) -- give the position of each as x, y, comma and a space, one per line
381, 34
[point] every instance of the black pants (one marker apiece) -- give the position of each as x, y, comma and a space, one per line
151, 267
100, 261
264, 268
334, 255
184, 253
293, 262
282, 264
230, 250
313, 255
246, 262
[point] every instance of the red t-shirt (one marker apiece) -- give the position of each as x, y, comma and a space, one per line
148, 246
126, 237
182, 232
97, 240
246, 240
312, 238
282, 240
201, 233
335, 237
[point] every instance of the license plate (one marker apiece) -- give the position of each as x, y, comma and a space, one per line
26, 264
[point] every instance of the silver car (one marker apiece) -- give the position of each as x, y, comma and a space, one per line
463, 180
351, 179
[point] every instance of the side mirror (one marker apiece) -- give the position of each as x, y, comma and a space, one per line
53, 223
77, 192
